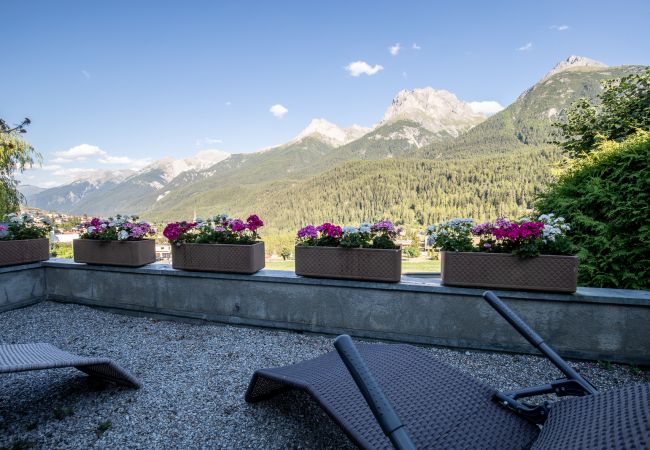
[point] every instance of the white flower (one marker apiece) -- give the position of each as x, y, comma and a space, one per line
350, 230
103, 225
365, 227
90, 229
122, 235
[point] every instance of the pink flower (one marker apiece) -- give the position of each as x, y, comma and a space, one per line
95, 222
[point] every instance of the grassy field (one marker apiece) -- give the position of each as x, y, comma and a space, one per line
408, 265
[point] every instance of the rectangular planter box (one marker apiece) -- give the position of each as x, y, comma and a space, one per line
553, 273
368, 264
114, 253
24, 251
229, 258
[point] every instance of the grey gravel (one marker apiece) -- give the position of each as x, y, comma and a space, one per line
194, 378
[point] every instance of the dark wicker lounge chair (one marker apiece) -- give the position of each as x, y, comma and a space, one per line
40, 356
442, 407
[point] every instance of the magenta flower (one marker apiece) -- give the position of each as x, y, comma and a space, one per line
172, 231
254, 222
330, 230
237, 225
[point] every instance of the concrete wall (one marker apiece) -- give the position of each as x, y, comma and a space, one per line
603, 324
21, 286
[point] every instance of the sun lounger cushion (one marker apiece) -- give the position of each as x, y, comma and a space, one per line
441, 406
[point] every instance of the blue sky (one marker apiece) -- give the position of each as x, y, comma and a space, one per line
142, 80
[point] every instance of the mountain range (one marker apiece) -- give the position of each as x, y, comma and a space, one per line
430, 157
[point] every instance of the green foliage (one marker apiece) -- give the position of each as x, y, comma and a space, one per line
61, 250
285, 253
15, 155
410, 252
413, 249
275, 243
605, 196
622, 108
103, 427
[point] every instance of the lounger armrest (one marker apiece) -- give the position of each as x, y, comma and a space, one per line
379, 404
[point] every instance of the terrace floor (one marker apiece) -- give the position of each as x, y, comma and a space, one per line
194, 377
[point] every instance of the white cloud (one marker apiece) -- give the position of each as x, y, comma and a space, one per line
357, 68
526, 47
85, 74
559, 27
415, 46
81, 152
208, 141
123, 160
62, 160
487, 107
49, 167
228, 103
47, 184
394, 49
77, 172
278, 111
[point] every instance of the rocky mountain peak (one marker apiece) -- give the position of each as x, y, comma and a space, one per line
171, 167
330, 133
99, 177
574, 62
436, 110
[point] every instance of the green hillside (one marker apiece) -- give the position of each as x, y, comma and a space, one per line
416, 192
528, 121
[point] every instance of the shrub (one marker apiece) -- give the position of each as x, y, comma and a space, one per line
606, 198
410, 252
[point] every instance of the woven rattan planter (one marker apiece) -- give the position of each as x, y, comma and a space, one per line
230, 258
504, 271
114, 253
24, 251
366, 264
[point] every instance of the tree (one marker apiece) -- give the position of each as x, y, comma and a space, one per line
622, 108
16, 154
285, 253
605, 197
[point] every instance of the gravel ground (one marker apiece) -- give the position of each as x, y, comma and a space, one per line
194, 378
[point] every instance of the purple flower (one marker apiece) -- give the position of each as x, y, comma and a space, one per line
309, 231
384, 225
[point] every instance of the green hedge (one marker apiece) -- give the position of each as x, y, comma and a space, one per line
605, 196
